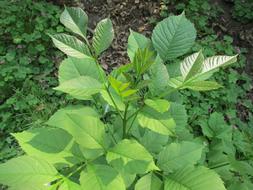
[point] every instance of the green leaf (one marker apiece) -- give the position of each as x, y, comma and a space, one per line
88, 131
66, 185
201, 85
71, 46
149, 182
173, 37
192, 65
121, 88
27, 172
159, 105
176, 82
179, 114
103, 36
134, 157
117, 99
217, 127
101, 177
136, 41
82, 87
190, 178
51, 144
212, 64
178, 155
161, 123
71, 68
159, 77
60, 117
143, 59
153, 142
75, 19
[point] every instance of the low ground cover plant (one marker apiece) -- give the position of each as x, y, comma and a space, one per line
130, 133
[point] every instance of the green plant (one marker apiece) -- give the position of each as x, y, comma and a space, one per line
27, 67
242, 10
130, 134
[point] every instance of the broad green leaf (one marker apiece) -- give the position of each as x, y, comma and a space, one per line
134, 157
212, 64
179, 155
190, 178
71, 68
179, 114
82, 87
149, 182
153, 142
60, 117
159, 77
75, 19
103, 36
71, 46
101, 177
173, 37
51, 144
87, 130
27, 172
192, 65
201, 85
161, 123
136, 41
159, 105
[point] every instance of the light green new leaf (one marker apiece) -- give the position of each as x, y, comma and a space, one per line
190, 178
71, 46
192, 65
134, 157
82, 87
103, 36
201, 85
117, 99
158, 122
173, 37
101, 177
71, 68
75, 19
159, 105
87, 130
149, 182
27, 172
143, 59
51, 144
212, 64
136, 41
178, 155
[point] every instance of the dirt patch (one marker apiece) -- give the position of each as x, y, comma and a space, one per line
125, 15
242, 33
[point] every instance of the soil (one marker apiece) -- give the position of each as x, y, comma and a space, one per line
135, 14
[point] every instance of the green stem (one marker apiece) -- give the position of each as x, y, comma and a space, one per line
125, 121
220, 165
107, 89
76, 170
